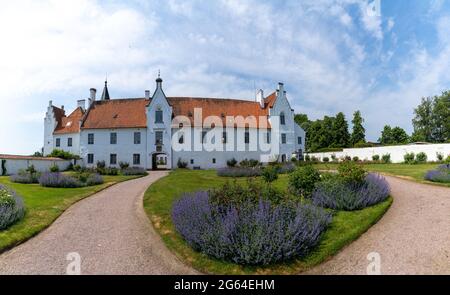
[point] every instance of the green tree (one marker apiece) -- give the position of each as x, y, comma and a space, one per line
340, 134
386, 135
358, 132
441, 118
394, 135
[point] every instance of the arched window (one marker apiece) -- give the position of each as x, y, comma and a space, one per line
282, 119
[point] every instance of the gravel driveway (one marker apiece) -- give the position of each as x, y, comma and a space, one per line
109, 230
413, 237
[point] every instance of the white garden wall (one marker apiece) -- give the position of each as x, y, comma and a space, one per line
13, 165
397, 152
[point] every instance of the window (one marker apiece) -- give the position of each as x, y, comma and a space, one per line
203, 136
181, 138
224, 137
113, 159
214, 160
58, 142
158, 116
113, 138
192, 161
247, 136
299, 140
137, 138
136, 159
69, 141
283, 138
91, 138
158, 137
90, 158
267, 137
282, 119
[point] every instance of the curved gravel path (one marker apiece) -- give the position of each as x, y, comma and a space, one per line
413, 237
109, 230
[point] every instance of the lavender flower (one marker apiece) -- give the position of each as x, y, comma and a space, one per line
239, 171
57, 179
12, 207
441, 174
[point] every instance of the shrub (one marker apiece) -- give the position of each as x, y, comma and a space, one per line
447, 160
12, 207
94, 179
56, 179
181, 164
25, 177
286, 168
326, 159
62, 155
441, 174
386, 158
251, 234
409, 158
355, 159
333, 157
270, 174
77, 168
334, 193
376, 158
307, 158
347, 158
239, 172
4, 170
421, 158
134, 171
303, 180
314, 159
249, 163
31, 169
350, 172
439, 156
232, 162
54, 168
124, 165
294, 159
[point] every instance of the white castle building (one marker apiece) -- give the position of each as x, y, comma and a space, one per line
158, 131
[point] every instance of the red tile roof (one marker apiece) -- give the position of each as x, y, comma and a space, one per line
70, 124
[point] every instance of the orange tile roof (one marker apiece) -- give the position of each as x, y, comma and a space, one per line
70, 124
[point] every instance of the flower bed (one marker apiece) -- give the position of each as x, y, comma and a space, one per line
441, 174
57, 179
12, 207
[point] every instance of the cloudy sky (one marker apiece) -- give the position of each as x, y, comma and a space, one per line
332, 55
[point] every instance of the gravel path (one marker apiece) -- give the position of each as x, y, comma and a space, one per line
413, 237
109, 230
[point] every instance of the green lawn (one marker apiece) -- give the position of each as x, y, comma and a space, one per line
413, 172
43, 206
346, 226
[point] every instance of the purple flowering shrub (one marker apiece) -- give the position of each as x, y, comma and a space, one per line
249, 233
25, 177
239, 171
336, 193
94, 179
12, 207
134, 171
441, 174
57, 179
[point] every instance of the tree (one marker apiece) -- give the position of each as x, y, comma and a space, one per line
394, 135
358, 132
301, 119
340, 134
423, 121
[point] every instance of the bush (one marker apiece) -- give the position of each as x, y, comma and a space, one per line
409, 158
347, 158
54, 168
355, 159
421, 158
307, 158
56, 179
333, 157
124, 165
286, 168
270, 174
181, 164
303, 180
376, 158
239, 172
326, 159
107, 171
386, 158
440, 157
25, 177
447, 160
334, 193
134, 171
249, 163
94, 179
4, 170
441, 174
77, 168
62, 155
232, 162
12, 208
251, 234
350, 172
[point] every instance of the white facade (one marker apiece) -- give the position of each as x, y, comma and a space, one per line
397, 152
125, 149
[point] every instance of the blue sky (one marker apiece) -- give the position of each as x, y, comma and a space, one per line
332, 55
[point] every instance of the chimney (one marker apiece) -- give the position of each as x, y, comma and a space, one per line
93, 92
81, 104
62, 107
281, 87
260, 97
147, 94
50, 103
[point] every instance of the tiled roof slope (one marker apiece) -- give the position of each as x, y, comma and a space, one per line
70, 124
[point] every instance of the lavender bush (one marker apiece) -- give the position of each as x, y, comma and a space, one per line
57, 179
134, 171
441, 174
25, 177
239, 171
12, 208
251, 234
337, 194
94, 179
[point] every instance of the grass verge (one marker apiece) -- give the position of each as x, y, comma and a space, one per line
44, 205
158, 200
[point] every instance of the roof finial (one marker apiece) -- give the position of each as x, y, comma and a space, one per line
159, 73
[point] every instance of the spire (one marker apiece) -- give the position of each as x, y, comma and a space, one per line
159, 80
105, 94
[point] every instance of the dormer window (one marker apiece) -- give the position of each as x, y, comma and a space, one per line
159, 116
282, 119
